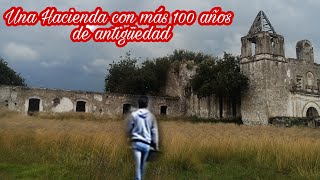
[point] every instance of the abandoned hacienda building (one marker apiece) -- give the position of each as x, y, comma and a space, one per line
278, 86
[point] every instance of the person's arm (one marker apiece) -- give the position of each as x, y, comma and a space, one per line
155, 133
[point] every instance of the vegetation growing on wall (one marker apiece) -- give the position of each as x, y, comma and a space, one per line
8, 76
182, 54
221, 77
214, 76
295, 121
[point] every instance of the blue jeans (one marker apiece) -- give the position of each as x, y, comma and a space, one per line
140, 153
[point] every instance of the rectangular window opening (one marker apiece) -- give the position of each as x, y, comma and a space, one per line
163, 110
126, 108
253, 49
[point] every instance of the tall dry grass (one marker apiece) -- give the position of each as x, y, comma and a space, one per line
99, 150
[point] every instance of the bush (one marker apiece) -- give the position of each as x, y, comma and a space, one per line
293, 121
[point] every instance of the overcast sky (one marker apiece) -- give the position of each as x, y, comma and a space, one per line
46, 57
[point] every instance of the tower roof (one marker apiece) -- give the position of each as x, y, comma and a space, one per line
261, 24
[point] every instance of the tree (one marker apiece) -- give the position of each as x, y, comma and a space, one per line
8, 76
220, 77
122, 77
128, 77
150, 77
183, 54
155, 74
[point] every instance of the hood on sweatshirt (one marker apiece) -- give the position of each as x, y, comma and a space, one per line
142, 112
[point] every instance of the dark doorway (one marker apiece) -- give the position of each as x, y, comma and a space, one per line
312, 112
126, 108
163, 110
34, 105
81, 106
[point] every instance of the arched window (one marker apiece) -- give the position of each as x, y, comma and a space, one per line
312, 112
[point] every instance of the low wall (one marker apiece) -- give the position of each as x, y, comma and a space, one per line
295, 121
25, 99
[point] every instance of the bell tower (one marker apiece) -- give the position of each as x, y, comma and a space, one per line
263, 62
262, 41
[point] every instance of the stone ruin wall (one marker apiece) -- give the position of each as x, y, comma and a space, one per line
273, 92
304, 87
179, 85
180, 100
273, 81
268, 91
278, 86
51, 100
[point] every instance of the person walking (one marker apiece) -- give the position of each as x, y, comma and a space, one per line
143, 132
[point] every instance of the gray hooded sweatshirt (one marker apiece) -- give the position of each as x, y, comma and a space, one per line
143, 127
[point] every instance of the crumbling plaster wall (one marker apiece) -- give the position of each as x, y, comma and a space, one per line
299, 103
268, 90
17, 98
300, 68
272, 90
308, 95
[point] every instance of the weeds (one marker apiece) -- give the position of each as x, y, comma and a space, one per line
44, 148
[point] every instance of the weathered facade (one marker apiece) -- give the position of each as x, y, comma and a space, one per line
278, 87
178, 85
24, 99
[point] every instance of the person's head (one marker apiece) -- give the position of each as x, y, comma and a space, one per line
143, 102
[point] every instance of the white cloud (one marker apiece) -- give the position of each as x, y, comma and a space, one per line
100, 63
49, 64
20, 52
290, 50
97, 66
316, 52
86, 69
233, 43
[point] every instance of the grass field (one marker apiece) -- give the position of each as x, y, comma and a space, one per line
80, 146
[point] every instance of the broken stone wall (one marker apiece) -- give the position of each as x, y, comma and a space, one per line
304, 87
51, 100
268, 92
179, 85
279, 88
